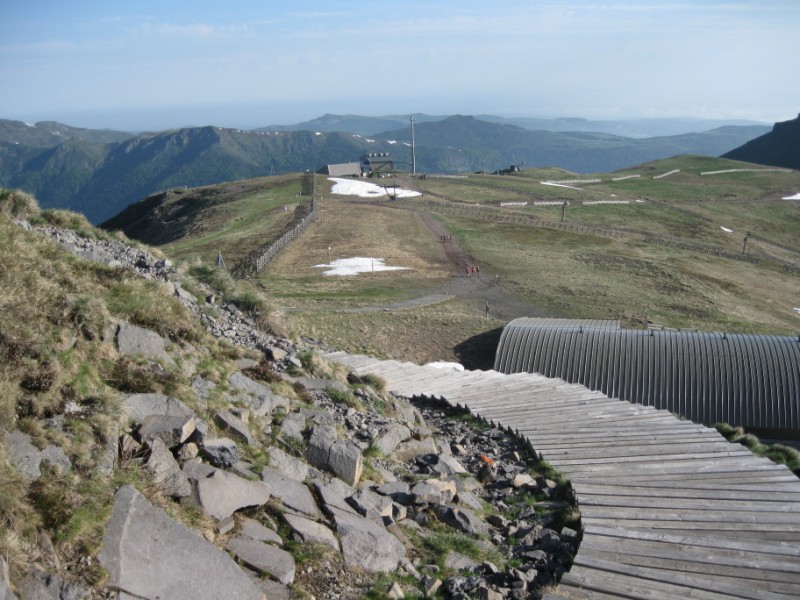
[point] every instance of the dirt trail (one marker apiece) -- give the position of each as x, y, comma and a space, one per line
483, 288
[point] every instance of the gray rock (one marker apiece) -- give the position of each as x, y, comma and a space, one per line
136, 341
314, 384
371, 505
345, 461
392, 435
334, 494
411, 449
447, 465
287, 464
293, 494
39, 585
366, 546
5, 584
293, 425
201, 388
462, 519
430, 585
172, 430
28, 459
433, 491
266, 559
220, 452
396, 490
272, 589
223, 493
312, 532
179, 564
188, 451
259, 532
234, 427
167, 474
469, 500
458, 562
260, 397
396, 592
319, 445
139, 406
197, 469
107, 459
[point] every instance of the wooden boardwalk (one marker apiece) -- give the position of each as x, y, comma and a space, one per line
670, 509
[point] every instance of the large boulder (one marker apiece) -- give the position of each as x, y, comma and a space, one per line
139, 406
136, 341
178, 563
390, 437
234, 427
166, 472
223, 493
220, 452
287, 464
265, 559
293, 494
366, 546
173, 430
311, 532
28, 459
346, 461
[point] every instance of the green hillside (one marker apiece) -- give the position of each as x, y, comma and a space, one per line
664, 248
100, 173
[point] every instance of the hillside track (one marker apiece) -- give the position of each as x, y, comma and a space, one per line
669, 508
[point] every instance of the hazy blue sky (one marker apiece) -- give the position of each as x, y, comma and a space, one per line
246, 63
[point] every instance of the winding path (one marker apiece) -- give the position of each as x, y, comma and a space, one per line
669, 508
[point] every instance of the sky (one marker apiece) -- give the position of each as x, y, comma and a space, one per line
148, 65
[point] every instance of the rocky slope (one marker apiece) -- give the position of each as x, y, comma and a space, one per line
248, 467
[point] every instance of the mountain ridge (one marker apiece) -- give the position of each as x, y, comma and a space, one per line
100, 178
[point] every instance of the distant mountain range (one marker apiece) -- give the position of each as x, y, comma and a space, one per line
100, 172
778, 148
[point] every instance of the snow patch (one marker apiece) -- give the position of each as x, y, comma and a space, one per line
365, 189
795, 197
452, 366
797, 310
725, 229
356, 265
391, 141
317, 133
560, 185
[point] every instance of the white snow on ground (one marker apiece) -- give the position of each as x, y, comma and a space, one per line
356, 265
453, 366
795, 197
317, 133
725, 229
365, 189
391, 141
797, 310
560, 185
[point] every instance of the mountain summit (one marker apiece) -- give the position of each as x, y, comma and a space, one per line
778, 148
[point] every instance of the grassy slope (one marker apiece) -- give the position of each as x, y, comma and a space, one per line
559, 272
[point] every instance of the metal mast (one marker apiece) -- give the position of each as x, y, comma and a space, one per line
413, 149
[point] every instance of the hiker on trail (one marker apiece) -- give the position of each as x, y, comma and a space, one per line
478, 269
467, 271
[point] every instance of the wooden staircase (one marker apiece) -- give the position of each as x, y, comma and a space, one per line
670, 509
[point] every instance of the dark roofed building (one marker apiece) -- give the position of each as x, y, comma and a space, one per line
352, 169
377, 162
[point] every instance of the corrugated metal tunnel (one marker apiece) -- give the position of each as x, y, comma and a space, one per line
747, 380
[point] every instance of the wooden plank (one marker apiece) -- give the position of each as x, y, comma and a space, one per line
745, 544
698, 526
732, 516
671, 503
624, 585
676, 490
706, 559
680, 573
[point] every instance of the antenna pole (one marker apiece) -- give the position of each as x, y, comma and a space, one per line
413, 149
